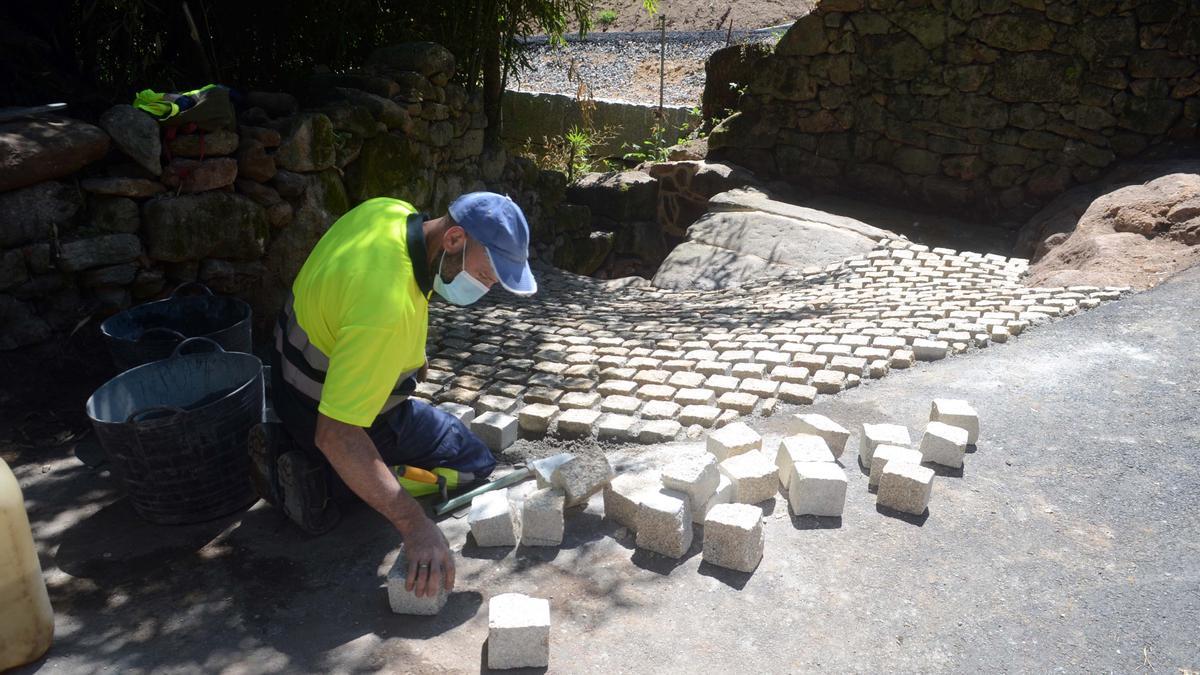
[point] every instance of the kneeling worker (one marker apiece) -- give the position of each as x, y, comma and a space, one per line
350, 348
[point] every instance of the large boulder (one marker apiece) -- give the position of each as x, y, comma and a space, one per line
617, 195
728, 248
135, 133
32, 213
308, 145
122, 186
41, 149
213, 144
207, 225
1136, 235
390, 165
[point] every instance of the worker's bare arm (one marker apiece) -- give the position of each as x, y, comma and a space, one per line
354, 456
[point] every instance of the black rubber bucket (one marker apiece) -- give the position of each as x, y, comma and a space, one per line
151, 331
175, 430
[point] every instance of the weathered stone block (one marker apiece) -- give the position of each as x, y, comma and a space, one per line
543, 469
817, 488
944, 444
703, 415
581, 477
958, 413
664, 523
834, 434
542, 518
754, 477
905, 487
733, 537
518, 632
800, 448
874, 435
577, 422
890, 453
659, 431
496, 430
493, 520
536, 417
695, 476
733, 439
464, 413
623, 496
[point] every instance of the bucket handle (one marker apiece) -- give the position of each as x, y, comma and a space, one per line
194, 340
189, 285
161, 330
139, 415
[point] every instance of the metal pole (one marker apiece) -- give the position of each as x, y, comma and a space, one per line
662, 56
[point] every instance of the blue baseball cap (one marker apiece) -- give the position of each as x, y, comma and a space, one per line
498, 223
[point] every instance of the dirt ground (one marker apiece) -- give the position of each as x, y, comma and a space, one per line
1068, 543
693, 15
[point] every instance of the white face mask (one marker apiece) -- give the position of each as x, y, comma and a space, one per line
464, 289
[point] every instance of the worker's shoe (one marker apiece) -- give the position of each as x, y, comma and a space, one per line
304, 493
262, 446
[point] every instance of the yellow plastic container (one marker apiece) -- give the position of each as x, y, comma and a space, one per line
26, 620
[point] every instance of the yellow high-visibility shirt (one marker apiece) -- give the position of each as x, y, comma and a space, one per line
363, 300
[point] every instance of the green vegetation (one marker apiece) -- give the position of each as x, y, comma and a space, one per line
656, 146
606, 18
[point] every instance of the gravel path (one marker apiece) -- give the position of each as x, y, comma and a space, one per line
624, 66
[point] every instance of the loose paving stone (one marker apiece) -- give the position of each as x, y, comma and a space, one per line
878, 368
496, 430
885, 453
905, 487
851, 365
758, 387
792, 374
800, 448
581, 477
874, 435
656, 392
617, 387
623, 495
664, 523
958, 413
700, 415
829, 381
755, 478
930, 350
659, 431
817, 489
722, 384
695, 396
660, 410
745, 371
695, 476
537, 417
739, 401
579, 399
543, 469
491, 403
518, 632
944, 444
723, 494
713, 367
543, 395
492, 519
616, 427
577, 422
620, 404
733, 537
797, 394
835, 435
813, 362
733, 439
902, 358
464, 413
404, 601
652, 377
686, 380
542, 518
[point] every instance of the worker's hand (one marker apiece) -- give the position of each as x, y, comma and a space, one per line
429, 561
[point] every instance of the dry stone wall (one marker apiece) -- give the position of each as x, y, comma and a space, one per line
987, 108
94, 218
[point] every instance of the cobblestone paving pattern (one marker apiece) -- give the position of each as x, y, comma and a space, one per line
639, 364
